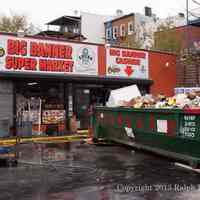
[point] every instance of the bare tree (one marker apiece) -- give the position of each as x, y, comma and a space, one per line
130, 42
15, 23
167, 38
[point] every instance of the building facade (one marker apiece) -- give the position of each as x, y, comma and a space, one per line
188, 73
137, 30
120, 31
153, 26
92, 27
129, 30
85, 26
64, 27
186, 38
45, 82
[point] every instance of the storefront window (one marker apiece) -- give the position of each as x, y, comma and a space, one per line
40, 109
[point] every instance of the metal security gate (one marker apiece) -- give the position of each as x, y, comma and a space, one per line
6, 107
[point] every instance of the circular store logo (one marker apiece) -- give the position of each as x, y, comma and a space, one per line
86, 57
2, 52
113, 70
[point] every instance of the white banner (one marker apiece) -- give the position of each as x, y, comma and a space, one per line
24, 54
127, 63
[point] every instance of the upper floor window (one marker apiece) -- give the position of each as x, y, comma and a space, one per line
130, 28
115, 32
143, 23
108, 33
122, 30
76, 30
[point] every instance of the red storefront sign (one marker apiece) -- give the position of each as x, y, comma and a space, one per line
127, 63
44, 56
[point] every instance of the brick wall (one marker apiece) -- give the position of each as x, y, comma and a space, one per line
128, 40
162, 70
188, 72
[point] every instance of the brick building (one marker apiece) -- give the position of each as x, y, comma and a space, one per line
188, 65
128, 30
187, 39
121, 31
44, 82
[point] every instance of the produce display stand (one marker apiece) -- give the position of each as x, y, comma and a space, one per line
169, 132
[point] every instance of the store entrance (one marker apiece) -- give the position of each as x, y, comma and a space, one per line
40, 108
85, 99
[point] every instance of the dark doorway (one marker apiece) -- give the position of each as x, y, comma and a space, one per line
85, 98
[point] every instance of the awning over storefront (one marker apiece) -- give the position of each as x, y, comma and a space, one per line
75, 78
195, 22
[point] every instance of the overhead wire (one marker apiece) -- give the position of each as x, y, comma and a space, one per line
196, 2
192, 14
195, 12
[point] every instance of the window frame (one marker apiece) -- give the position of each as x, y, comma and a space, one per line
122, 32
108, 33
130, 31
115, 32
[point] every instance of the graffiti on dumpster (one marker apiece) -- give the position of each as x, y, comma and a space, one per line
188, 128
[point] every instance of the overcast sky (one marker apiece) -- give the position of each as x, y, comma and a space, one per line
41, 11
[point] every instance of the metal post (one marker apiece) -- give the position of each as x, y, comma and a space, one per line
14, 109
40, 116
187, 38
187, 12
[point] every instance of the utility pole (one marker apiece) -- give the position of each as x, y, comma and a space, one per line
187, 12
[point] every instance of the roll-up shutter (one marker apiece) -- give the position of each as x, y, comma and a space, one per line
6, 107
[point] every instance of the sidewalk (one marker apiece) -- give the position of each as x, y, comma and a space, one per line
82, 134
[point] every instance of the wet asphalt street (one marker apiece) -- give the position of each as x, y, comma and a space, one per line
88, 172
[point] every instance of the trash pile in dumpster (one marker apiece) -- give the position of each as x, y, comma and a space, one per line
190, 100
131, 97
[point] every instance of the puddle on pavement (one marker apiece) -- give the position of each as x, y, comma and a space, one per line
78, 171
41, 153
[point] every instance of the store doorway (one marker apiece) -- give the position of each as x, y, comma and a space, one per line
40, 108
82, 103
85, 99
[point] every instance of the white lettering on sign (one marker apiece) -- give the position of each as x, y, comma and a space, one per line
127, 63
129, 132
189, 117
47, 56
188, 129
190, 123
188, 134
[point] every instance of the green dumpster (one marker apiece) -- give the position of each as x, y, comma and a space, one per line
170, 132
